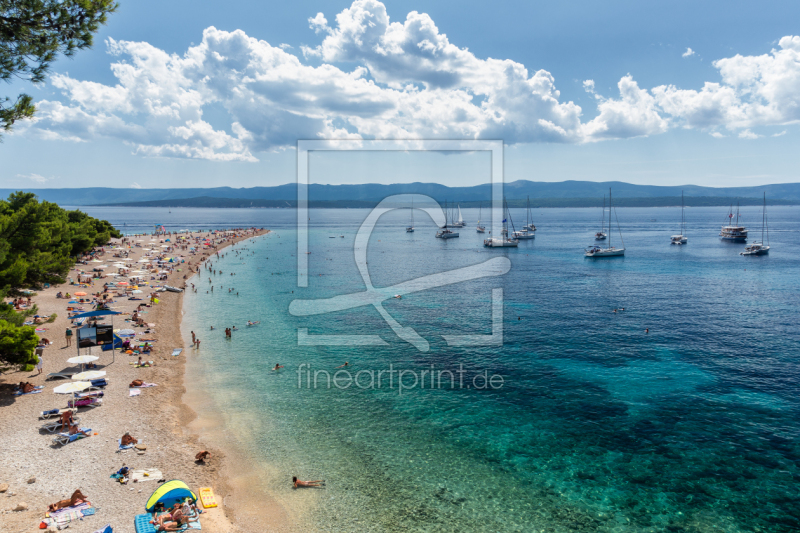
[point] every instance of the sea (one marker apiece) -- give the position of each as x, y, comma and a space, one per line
679, 412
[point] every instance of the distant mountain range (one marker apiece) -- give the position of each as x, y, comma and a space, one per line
543, 194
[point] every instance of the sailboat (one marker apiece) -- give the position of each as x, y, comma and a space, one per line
734, 232
460, 222
446, 233
503, 241
759, 248
601, 235
528, 230
410, 229
596, 251
480, 229
681, 239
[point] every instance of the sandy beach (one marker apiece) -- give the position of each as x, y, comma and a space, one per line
38, 473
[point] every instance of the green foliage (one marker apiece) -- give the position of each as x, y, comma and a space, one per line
88, 231
33, 33
17, 343
38, 243
35, 242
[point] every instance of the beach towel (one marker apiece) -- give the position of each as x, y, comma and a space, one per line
152, 474
134, 392
37, 391
176, 352
145, 385
106, 529
63, 517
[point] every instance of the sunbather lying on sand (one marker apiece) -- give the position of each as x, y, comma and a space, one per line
136, 383
76, 498
171, 518
127, 440
26, 387
298, 483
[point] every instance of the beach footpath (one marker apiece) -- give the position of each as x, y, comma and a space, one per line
40, 462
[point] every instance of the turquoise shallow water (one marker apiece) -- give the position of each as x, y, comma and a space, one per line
597, 427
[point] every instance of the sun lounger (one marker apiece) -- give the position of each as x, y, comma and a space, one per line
85, 402
55, 412
53, 425
58, 375
63, 439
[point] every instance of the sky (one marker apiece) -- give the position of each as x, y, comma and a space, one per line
188, 94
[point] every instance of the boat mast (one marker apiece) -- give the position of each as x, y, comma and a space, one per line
683, 219
603, 215
763, 218
412, 211
609, 217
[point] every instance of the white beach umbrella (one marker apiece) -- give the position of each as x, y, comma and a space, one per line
89, 375
82, 359
72, 388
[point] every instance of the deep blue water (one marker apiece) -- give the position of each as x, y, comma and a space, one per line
598, 426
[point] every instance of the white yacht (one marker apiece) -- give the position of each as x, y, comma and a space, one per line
758, 247
609, 251
733, 232
479, 228
528, 230
681, 239
446, 233
503, 241
601, 235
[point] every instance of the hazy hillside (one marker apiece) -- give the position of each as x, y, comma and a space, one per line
372, 192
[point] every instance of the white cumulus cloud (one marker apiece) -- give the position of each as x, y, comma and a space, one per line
135, 185
688, 53
38, 178
747, 134
372, 77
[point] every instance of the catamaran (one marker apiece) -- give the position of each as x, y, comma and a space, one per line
733, 232
503, 241
681, 239
596, 251
759, 248
479, 228
528, 230
601, 235
445, 233
410, 229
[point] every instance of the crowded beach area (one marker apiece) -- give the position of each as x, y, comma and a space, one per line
94, 437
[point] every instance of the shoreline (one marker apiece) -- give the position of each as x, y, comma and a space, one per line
158, 417
245, 508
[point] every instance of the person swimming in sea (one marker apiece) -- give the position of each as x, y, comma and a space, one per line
277, 367
345, 364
